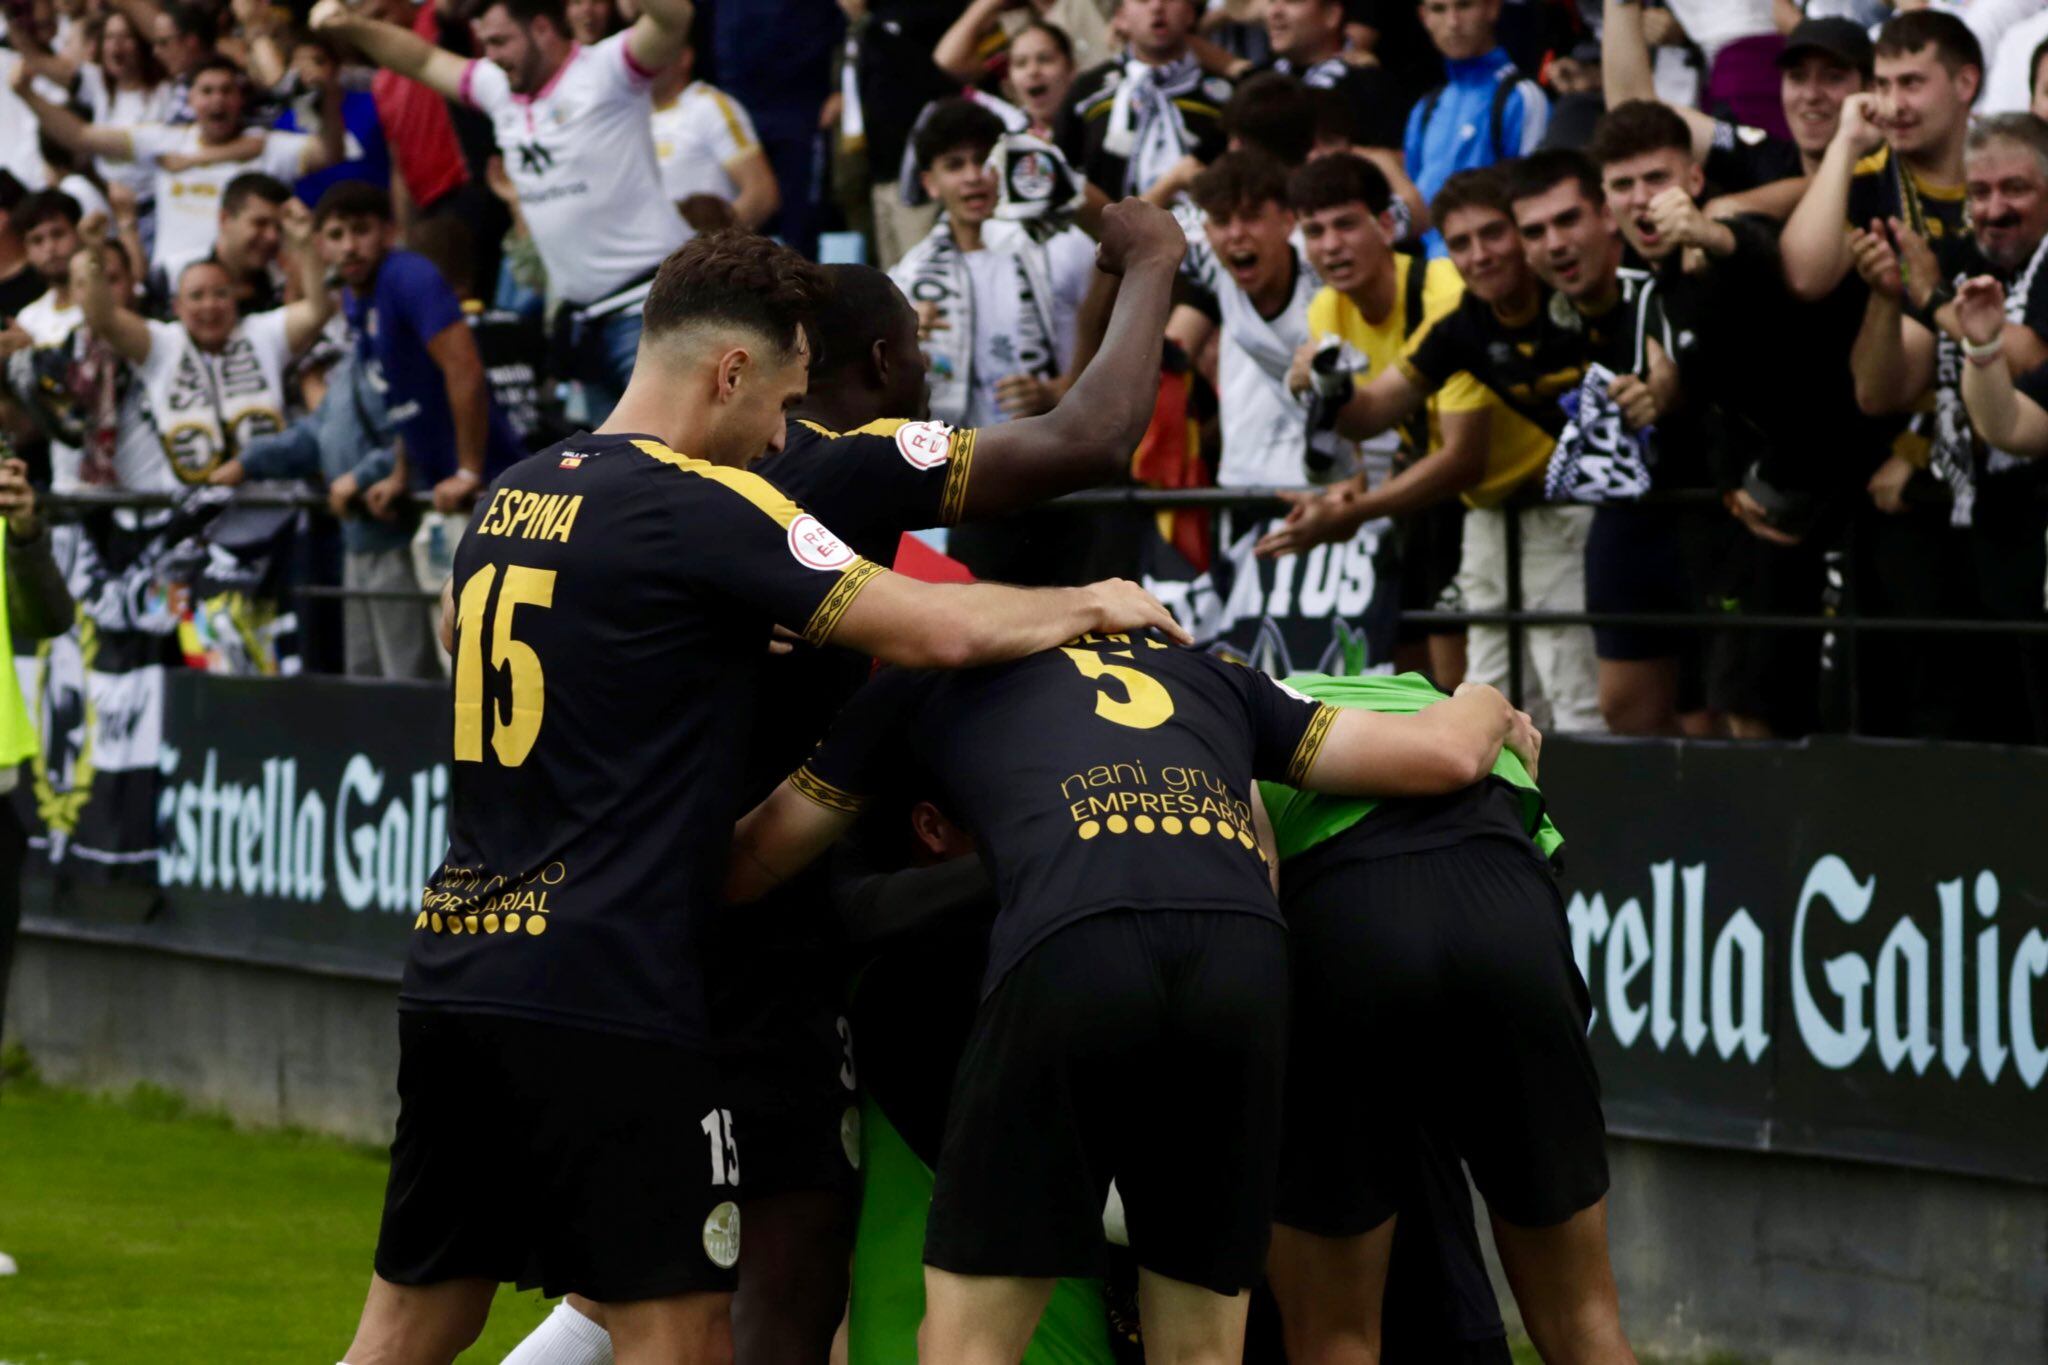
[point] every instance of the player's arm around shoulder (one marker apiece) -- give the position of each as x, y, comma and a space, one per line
1438, 749
962, 625
782, 836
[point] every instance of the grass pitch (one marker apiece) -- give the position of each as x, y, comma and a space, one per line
146, 1233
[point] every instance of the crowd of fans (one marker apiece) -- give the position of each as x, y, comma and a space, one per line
1713, 308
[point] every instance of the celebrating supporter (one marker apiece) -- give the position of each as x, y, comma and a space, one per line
1742, 344
1136, 945
614, 538
48, 224
213, 378
1505, 334
1822, 63
1372, 302
246, 246
705, 145
89, 400
1895, 167
195, 162
573, 124
121, 84
182, 36
1307, 38
1256, 292
1134, 119
1001, 300
998, 301
1485, 112
1035, 51
1897, 156
1996, 567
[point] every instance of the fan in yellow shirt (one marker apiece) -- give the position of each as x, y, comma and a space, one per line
1463, 444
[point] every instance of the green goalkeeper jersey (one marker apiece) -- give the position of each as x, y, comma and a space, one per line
887, 1299
1302, 819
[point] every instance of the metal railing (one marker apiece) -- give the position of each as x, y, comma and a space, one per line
1517, 619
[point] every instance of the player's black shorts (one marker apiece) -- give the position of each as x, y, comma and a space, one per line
1432, 546
1143, 1046
778, 1008
1438, 984
555, 1157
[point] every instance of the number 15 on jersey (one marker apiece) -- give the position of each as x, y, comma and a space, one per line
513, 731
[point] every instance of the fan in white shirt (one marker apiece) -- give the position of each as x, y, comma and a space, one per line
574, 126
1243, 251
212, 379
194, 162
704, 143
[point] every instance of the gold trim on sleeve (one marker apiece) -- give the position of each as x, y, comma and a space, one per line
958, 465
1311, 744
818, 791
826, 618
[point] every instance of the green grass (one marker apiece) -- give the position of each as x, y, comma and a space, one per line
148, 1233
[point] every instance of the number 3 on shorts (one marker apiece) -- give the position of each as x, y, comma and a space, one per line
512, 736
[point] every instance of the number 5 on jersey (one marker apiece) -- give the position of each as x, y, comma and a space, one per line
513, 733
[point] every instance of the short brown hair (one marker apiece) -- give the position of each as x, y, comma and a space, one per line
1955, 46
1484, 188
737, 279
1635, 127
1241, 179
1341, 178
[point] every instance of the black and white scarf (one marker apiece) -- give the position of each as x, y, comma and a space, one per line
1955, 453
1144, 127
935, 272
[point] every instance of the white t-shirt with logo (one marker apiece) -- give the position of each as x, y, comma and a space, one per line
1009, 337
188, 202
1265, 431
697, 137
125, 109
580, 152
207, 405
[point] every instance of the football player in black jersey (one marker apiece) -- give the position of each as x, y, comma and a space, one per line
611, 599
858, 454
1134, 1010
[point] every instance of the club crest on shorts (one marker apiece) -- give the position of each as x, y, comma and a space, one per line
815, 547
925, 445
722, 1235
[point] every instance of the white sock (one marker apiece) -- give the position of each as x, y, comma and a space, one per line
564, 1337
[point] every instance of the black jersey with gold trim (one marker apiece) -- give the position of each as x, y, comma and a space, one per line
1111, 773
870, 485
613, 600
1531, 362
877, 481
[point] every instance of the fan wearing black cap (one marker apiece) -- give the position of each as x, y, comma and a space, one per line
1823, 63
